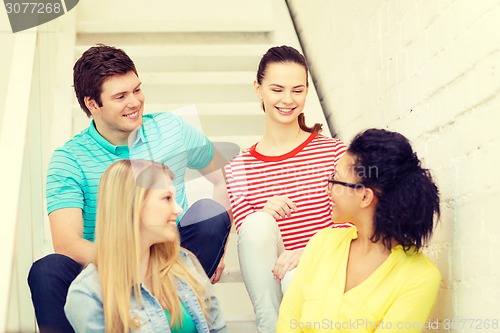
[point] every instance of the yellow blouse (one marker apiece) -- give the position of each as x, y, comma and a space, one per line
397, 297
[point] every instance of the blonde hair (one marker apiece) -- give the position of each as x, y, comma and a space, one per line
122, 190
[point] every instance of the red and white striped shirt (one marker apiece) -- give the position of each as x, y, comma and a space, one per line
301, 175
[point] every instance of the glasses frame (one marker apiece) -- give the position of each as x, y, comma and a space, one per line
332, 181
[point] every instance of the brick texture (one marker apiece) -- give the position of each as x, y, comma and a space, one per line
429, 69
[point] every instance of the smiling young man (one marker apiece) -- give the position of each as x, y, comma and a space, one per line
108, 90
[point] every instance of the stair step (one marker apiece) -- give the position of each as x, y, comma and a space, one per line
176, 16
199, 87
199, 78
178, 58
235, 305
172, 38
199, 50
243, 142
231, 275
172, 25
241, 325
215, 119
232, 126
211, 109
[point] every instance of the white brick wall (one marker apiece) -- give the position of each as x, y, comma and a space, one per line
429, 69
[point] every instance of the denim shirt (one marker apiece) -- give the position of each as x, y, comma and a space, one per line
84, 308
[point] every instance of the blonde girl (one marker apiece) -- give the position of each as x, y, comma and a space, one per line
142, 280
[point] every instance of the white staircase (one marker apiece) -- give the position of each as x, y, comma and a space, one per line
206, 54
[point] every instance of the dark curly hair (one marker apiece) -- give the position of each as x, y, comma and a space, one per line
408, 199
96, 65
284, 54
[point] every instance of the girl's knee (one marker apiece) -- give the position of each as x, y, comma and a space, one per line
259, 230
259, 222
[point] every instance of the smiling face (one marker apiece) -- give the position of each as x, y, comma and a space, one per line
159, 215
283, 91
122, 107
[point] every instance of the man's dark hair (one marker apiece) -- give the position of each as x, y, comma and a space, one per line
95, 66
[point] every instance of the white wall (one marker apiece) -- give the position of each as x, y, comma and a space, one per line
7, 42
36, 60
431, 70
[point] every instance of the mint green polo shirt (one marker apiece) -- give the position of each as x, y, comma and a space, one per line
76, 168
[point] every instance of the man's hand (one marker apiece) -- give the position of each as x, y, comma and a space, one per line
218, 272
279, 206
287, 261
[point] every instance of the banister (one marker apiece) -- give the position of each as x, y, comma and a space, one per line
12, 143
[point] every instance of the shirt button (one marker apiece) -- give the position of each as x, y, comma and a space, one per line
137, 322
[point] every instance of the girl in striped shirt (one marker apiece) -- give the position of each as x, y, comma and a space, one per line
277, 186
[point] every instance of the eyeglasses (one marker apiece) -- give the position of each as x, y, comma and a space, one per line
332, 181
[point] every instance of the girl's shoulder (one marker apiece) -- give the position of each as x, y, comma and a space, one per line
89, 273
191, 261
325, 140
87, 281
334, 235
419, 263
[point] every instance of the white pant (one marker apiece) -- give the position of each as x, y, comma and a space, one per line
259, 245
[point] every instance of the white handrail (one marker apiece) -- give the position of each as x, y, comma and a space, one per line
12, 144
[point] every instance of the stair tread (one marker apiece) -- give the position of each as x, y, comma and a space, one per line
216, 109
180, 25
243, 142
196, 78
190, 50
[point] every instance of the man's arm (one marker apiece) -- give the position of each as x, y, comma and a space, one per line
216, 177
66, 225
214, 173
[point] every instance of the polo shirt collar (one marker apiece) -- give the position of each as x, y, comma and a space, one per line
115, 150
141, 135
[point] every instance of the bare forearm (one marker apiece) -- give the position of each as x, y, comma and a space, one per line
220, 195
78, 249
66, 225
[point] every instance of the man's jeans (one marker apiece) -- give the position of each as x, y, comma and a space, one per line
203, 230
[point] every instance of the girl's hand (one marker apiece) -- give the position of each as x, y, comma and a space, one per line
218, 272
279, 207
287, 261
